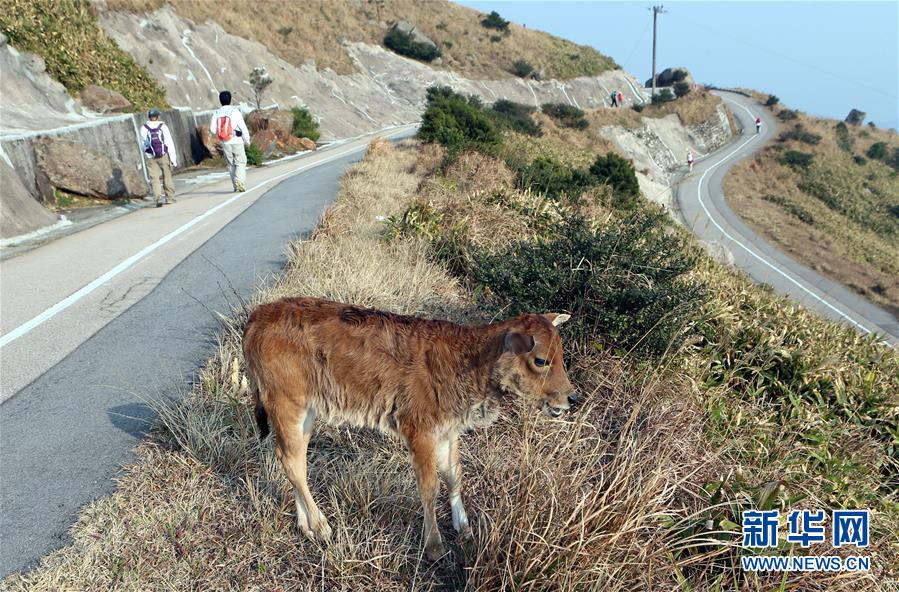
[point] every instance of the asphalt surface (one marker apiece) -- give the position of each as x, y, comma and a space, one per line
72, 422
702, 205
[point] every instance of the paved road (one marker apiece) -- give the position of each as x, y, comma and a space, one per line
141, 294
701, 201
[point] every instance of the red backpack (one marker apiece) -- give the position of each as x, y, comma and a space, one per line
224, 129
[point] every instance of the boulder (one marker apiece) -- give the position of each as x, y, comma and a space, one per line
306, 143
409, 29
276, 120
666, 77
20, 213
211, 143
856, 117
103, 100
77, 169
267, 141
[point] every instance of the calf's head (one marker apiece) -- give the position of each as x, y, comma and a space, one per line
531, 363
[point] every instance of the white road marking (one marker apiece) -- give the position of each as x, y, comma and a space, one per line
750, 251
60, 306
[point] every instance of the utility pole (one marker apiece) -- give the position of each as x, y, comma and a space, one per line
655, 13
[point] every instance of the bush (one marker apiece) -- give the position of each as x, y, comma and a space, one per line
799, 134
406, 45
458, 123
878, 151
254, 155
664, 96
787, 114
515, 116
638, 107
797, 159
844, 140
620, 174
495, 21
791, 208
303, 124
859, 160
772, 100
678, 75
522, 68
681, 89
632, 294
552, 178
567, 115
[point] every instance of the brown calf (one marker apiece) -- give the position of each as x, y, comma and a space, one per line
426, 381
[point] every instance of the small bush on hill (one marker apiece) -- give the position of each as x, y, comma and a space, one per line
797, 159
772, 100
406, 45
552, 178
664, 96
254, 155
633, 293
567, 115
800, 134
303, 124
458, 123
787, 114
678, 76
638, 107
791, 208
859, 160
620, 174
495, 21
878, 151
515, 116
681, 89
522, 68
844, 140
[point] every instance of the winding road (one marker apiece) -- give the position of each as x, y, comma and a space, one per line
95, 323
700, 199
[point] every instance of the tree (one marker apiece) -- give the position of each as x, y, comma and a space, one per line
259, 80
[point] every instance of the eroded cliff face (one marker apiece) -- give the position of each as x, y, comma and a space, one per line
193, 61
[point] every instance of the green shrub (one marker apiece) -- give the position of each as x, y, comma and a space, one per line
515, 116
630, 294
844, 140
799, 134
787, 114
254, 155
678, 75
458, 123
797, 159
567, 115
419, 220
495, 21
878, 151
619, 173
859, 160
552, 178
772, 100
638, 107
791, 208
522, 68
76, 51
303, 124
681, 89
664, 96
406, 45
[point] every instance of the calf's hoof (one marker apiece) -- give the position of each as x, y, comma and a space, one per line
434, 551
466, 535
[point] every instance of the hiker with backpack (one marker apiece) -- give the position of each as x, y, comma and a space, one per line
159, 149
228, 126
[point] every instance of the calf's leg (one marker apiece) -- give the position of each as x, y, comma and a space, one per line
451, 470
292, 440
424, 461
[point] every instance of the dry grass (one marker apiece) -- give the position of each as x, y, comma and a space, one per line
697, 107
320, 26
845, 245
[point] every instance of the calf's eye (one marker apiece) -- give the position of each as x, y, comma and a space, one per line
540, 362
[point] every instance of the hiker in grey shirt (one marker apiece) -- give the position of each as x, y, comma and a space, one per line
159, 147
229, 127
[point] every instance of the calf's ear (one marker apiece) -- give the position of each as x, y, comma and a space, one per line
518, 343
557, 318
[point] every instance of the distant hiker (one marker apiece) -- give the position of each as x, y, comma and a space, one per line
620, 99
690, 160
228, 125
758, 125
614, 97
156, 140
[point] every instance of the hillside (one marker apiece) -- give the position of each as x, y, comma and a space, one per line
828, 194
315, 30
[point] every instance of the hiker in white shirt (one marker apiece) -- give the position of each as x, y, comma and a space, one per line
228, 125
159, 148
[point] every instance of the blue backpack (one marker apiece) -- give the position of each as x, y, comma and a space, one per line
155, 141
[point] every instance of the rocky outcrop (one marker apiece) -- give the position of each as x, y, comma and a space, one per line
211, 143
102, 100
855, 117
669, 76
408, 28
75, 168
19, 212
278, 121
306, 143
267, 141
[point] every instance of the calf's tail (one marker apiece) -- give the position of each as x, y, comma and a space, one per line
261, 414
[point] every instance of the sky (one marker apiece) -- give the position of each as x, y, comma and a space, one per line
823, 58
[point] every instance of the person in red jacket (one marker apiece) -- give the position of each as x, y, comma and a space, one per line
758, 125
